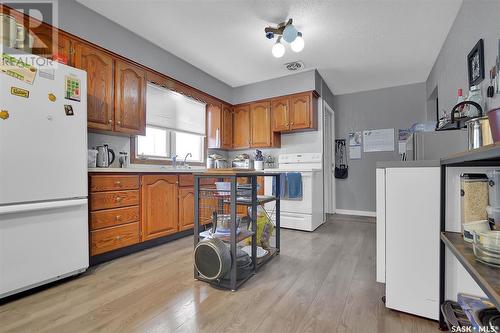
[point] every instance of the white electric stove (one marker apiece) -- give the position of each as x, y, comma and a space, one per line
306, 213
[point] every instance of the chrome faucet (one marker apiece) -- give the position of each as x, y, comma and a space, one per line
174, 161
185, 159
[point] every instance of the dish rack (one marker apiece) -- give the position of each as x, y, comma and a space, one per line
233, 195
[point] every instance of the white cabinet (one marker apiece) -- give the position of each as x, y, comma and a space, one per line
410, 209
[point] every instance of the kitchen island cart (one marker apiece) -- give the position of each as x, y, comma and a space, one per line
235, 192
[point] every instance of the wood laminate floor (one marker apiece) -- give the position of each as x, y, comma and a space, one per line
322, 282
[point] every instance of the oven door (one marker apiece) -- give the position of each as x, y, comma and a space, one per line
303, 205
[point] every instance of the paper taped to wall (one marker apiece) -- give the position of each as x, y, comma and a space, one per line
378, 140
355, 152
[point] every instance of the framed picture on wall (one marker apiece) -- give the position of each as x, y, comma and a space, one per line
475, 64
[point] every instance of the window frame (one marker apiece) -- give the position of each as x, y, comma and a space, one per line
156, 157
135, 159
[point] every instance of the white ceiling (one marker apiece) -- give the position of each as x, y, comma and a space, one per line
355, 44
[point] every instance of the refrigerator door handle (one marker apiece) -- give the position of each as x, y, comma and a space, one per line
41, 206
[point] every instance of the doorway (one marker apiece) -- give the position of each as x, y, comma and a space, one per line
328, 158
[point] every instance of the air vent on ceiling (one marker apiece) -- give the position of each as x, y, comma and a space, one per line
294, 66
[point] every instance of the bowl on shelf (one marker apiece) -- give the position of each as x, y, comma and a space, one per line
486, 247
471, 228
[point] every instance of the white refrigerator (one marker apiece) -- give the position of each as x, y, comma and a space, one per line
43, 173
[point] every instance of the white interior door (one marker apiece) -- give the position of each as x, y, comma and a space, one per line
328, 158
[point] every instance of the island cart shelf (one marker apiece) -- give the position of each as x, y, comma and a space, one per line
209, 199
487, 277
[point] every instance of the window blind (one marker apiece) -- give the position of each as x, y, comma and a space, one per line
168, 109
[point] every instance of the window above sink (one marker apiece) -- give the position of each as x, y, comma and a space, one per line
175, 125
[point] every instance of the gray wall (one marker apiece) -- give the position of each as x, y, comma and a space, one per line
396, 107
89, 25
476, 19
285, 85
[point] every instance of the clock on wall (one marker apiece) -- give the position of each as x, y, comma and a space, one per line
475, 64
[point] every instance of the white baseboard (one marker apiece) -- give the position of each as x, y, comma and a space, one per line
356, 212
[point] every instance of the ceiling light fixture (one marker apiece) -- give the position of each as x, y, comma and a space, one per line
278, 48
289, 33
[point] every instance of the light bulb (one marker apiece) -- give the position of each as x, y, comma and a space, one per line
278, 49
298, 44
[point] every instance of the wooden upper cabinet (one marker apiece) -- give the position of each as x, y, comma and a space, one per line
241, 127
159, 206
214, 125
130, 99
301, 111
99, 67
280, 115
296, 112
260, 124
227, 126
219, 126
186, 208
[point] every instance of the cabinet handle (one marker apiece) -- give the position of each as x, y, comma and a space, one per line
291, 123
118, 237
118, 199
119, 123
118, 183
118, 217
110, 121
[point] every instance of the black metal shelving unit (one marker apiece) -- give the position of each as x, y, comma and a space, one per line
234, 199
487, 277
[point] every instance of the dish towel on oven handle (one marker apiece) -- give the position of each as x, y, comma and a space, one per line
282, 186
294, 185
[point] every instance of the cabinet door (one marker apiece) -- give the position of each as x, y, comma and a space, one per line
186, 208
99, 67
214, 125
159, 206
280, 115
260, 124
130, 99
241, 128
227, 127
300, 111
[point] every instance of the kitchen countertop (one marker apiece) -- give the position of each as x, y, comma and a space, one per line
408, 164
158, 169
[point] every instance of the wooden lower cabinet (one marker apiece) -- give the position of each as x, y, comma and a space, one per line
113, 238
186, 208
113, 217
159, 206
101, 183
114, 199
148, 206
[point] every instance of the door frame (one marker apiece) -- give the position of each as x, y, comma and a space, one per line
328, 143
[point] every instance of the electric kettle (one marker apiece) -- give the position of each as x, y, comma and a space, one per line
105, 156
